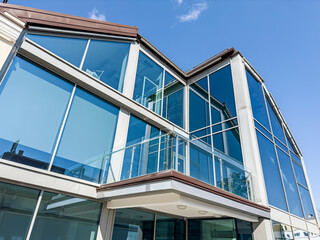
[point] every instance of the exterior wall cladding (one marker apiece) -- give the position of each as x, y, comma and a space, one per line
103, 137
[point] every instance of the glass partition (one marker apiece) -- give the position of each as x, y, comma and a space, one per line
87, 137
169, 228
64, 217
17, 206
33, 102
281, 231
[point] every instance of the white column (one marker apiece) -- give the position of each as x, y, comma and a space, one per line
106, 223
120, 139
10, 29
249, 143
129, 79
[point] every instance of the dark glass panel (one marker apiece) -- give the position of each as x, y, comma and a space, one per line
289, 184
199, 112
148, 83
299, 174
168, 78
33, 103
276, 126
218, 172
200, 166
307, 204
133, 224
257, 101
107, 61
212, 229
168, 228
63, 217
221, 91
244, 230
233, 143
17, 205
202, 83
87, 137
271, 173
173, 104
70, 49
281, 145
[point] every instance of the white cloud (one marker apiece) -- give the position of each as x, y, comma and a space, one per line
95, 15
193, 13
179, 2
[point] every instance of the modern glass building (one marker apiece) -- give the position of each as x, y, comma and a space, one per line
102, 137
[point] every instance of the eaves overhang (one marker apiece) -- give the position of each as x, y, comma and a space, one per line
167, 191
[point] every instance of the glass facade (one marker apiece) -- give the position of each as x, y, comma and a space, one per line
58, 217
283, 173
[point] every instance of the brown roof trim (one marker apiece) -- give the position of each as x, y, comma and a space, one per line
46, 18
177, 176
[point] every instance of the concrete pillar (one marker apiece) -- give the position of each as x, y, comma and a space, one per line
106, 223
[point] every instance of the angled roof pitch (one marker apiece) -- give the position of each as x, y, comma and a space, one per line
46, 18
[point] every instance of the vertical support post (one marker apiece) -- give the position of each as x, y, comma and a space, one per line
120, 139
251, 155
106, 223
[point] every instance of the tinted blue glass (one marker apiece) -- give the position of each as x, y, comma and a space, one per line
63, 217
307, 204
203, 83
271, 173
289, 184
17, 206
281, 145
234, 145
276, 126
200, 164
173, 104
141, 158
263, 130
33, 103
87, 137
290, 144
168, 78
218, 141
107, 61
299, 174
199, 112
131, 224
221, 91
70, 49
294, 157
148, 84
217, 165
257, 101
215, 116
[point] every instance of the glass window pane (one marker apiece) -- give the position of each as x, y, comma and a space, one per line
218, 172
263, 130
200, 167
244, 230
87, 137
294, 157
130, 224
148, 84
33, 102
17, 205
257, 101
271, 173
63, 217
107, 61
173, 104
300, 234
307, 204
221, 91
169, 228
289, 184
299, 174
276, 126
70, 49
281, 231
199, 112
234, 144
168, 78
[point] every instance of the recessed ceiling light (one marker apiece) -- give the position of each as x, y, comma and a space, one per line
202, 212
181, 207
217, 215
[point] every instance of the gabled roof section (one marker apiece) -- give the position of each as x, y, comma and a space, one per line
39, 17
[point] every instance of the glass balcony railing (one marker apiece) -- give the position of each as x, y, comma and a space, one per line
190, 157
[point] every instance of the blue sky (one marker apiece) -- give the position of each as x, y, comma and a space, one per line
279, 38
